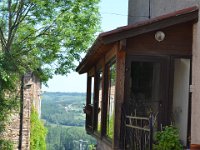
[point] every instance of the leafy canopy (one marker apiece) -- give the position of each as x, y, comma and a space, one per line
41, 36
47, 34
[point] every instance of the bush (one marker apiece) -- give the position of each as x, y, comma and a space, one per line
168, 139
38, 132
5, 144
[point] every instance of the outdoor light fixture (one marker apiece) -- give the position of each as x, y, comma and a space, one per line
160, 36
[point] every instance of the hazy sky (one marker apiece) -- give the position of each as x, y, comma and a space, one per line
114, 14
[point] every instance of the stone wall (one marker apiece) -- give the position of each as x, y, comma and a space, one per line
12, 129
18, 127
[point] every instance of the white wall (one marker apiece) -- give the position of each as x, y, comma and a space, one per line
181, 96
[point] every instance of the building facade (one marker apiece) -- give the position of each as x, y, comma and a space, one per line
146, 9
153, 65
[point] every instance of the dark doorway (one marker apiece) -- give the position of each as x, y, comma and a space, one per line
158, 87
147, 87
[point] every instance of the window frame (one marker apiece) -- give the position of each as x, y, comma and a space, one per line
89, 108
102, 66
100, 81
111, 62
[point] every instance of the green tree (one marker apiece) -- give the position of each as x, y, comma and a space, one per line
41, 36
49, 34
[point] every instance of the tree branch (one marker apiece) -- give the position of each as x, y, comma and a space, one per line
9, 14
20, 17
3, 40
25, 12
18, 13
15, 8
9, 24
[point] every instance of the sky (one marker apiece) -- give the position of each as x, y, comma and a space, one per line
113, 15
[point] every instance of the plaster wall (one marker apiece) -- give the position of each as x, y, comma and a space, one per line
180, 97
138, 9
195, 125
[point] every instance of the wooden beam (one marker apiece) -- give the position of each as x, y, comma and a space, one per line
122, 45
151, 26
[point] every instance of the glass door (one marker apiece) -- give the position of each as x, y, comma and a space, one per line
147, 88
156, 88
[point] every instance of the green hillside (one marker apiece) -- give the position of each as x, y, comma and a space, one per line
65, 121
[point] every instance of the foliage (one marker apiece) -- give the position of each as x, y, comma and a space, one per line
67, 137
65, 125
9, 99
68, 108
49, 34
44, 37
168, 139
99, 127
6, 144
38, 132
92, 147
110, 127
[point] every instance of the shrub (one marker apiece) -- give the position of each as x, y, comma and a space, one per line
6, 144
168, 139
38, 132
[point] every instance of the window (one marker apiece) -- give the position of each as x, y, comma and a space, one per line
89, 103
145, 88
92, 91
100, 75
101, 99
111, 83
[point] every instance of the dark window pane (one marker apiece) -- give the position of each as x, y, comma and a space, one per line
144, 95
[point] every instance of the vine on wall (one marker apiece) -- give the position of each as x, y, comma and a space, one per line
38, 132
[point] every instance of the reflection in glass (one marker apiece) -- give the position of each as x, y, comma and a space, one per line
111, 99
145, 81
92, 90
99, 101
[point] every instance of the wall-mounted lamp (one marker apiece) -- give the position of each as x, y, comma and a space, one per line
159, 36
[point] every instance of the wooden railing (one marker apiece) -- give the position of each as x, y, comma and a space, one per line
138, 133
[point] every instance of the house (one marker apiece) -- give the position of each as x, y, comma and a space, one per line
144, 76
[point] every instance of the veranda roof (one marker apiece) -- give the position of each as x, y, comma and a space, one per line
105, 40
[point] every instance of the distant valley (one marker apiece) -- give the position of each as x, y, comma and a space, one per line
64, 118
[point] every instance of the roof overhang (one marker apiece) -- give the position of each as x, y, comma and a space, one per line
105, 40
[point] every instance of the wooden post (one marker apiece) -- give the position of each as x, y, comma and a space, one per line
119, 94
